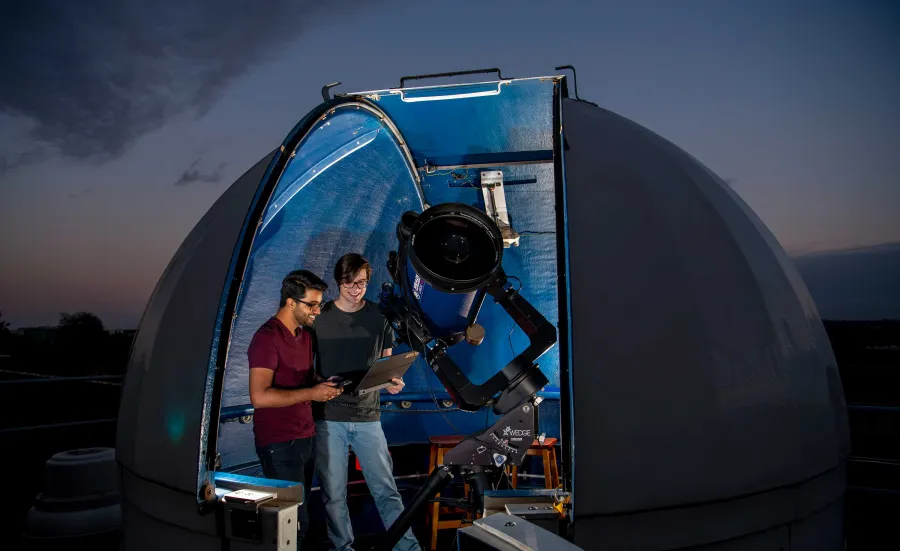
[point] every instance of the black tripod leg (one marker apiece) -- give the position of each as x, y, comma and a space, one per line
436, 482
480, 481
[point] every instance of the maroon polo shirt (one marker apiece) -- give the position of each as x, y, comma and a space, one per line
290, 356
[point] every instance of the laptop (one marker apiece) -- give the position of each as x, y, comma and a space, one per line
379, 375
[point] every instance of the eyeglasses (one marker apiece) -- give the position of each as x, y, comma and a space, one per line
311, 305
357, 285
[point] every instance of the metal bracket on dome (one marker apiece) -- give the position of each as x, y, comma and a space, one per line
495, 205
574, 83
574, 78
326, 90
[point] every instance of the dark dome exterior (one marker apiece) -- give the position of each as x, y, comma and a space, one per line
701, 372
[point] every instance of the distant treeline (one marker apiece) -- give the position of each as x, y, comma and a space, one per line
865, 341
865, 333
79, 345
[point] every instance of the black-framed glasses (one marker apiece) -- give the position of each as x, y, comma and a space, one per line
358, 284
311, 305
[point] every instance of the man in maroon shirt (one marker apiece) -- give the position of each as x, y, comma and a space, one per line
283, 384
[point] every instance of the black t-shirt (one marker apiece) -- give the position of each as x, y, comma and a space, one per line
349, 343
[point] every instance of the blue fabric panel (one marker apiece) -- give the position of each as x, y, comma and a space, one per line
518, 119
352, 204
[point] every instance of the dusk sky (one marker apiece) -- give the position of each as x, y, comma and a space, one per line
120, 125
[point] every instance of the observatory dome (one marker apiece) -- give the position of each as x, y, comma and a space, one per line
692, 373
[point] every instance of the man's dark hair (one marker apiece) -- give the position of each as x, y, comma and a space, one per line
295, 284
349, 266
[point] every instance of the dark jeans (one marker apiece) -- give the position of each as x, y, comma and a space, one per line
294, 460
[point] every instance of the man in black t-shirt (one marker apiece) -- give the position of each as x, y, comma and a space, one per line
348, 343
351, 333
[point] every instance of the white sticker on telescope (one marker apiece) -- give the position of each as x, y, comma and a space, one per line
417, 288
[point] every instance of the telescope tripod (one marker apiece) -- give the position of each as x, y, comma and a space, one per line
506, 442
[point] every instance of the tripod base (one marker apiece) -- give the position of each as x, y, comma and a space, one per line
437, 480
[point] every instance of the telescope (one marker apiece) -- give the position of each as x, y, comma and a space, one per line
448, 260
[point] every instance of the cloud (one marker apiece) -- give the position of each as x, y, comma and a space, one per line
12, 160
194, 174
95, 77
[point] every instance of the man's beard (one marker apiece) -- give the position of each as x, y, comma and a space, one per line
301, 321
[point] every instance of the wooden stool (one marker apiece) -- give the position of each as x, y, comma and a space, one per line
548, 454
440, 445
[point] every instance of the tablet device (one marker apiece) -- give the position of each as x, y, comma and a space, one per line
380, 374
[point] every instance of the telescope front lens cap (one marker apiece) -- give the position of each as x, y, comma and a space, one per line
456, 248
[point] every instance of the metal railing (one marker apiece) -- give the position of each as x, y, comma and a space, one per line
27, 379
70, 424
44, 379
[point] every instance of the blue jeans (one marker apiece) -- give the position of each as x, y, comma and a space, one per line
333, 440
